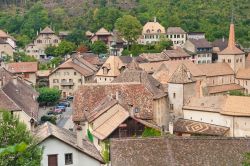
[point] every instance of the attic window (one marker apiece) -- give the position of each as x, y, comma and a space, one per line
148, 31
159, 31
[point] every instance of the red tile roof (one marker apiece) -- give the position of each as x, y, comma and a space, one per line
22, 67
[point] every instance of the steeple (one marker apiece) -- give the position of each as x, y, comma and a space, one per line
231, 40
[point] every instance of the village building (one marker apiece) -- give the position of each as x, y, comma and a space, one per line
68, 76
231, 54
112, 67
152, 33
26, 70
242, 78
7, 45
19, 98
172, 151
102, 35
227, 111
200, 49
42, 78
196, 35
176, 54
220, 79
63, 147
177, 35
45, 38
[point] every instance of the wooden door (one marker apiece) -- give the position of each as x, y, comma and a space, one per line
52, 160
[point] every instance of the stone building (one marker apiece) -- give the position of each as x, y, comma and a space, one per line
45, 38
26, 70
68, 76
200, 49
152, 33
7, 45
177, 35
231, 54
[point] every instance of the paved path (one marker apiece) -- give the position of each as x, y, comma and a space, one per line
65, 119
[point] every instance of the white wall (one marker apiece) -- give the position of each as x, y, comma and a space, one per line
55, 146
239, 126
177, 101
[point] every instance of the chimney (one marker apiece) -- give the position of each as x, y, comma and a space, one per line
79, 136
171, 127
14, 80
154, 19
231, 40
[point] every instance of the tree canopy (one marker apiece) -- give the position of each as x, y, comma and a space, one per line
17, 146
48, 95
99, 47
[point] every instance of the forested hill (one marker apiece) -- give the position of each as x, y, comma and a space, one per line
23, 18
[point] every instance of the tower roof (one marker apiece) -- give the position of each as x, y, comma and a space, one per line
231, 48
181, 75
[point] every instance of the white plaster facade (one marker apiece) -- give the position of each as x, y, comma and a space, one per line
236, 62
239, 126
55, 146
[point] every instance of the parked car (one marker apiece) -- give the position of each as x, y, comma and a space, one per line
64, 103
63, 108
70, 98
50, 113
58, 111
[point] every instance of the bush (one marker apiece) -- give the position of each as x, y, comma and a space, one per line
150, 132
48, 95
236, 93
51, 119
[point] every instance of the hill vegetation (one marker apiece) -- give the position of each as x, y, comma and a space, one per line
24, 18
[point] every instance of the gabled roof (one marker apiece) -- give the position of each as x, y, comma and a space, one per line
113, 65
216, 69
221, 43
23, 95
48, 130
176, 53
7, 103
135, 74
179, 151
47, 30
175, 30
201, 128
22, 67
102, 31
181, 76
243, 73
155, 57
89, 96
200, 43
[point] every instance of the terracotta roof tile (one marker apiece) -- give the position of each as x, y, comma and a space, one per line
181, 75
153, 27
22, 67
243, 73
201, 128
47, 130
216, 69
176, 151
175, 30
224, 88
3, 34
102, 31
47, 30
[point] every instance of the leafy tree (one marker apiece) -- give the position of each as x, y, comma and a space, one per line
99, 47
236, 93
77, 36
65, 47
163, 44
48, 95
129, 27
246, 161
22, 57
50, 51
150, 132
17, 146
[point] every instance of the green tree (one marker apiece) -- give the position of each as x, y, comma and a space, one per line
163, 44
50, 51
246, 161
17, 146
129, 27
150, 132
65, 47
22, 57
99, 47
48, 95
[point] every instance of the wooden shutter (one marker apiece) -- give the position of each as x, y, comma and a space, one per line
52, 160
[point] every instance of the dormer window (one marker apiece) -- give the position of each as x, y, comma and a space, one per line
148, 31
159, 31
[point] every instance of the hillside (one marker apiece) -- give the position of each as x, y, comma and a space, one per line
23, 18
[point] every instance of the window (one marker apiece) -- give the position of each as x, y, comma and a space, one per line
159, 31
174, 95
237, 60
171, 106
229, 60
63, 80
55, 41
223, 60
75, 73
68, 159
240, 60
246, 82
39, 41
26, 75
55, 80
79, 80
70, 80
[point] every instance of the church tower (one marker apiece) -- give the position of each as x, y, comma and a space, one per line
232, 55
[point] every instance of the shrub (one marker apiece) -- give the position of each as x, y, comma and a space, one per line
150, 132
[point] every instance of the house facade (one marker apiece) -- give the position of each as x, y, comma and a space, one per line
200, 49
45, 38
68, 76
152, 33
177, 35
7, 45
63, 147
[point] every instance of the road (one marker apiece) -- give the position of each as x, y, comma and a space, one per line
65, 119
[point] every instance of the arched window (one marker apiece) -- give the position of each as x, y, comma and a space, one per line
148, 31
158, 31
